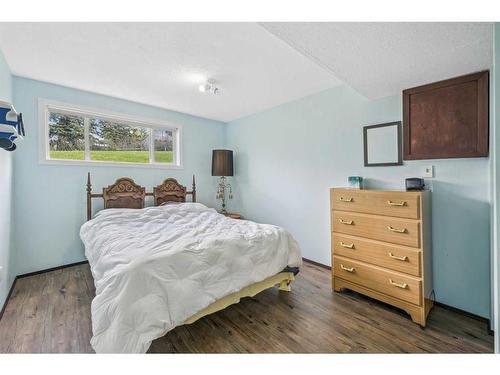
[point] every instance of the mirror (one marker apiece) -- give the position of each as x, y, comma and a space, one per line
382, 144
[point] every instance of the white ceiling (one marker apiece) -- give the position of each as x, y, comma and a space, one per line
256, 67
382, 59
162, 64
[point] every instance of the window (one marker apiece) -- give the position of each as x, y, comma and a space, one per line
116, 142
75, 135
66, 136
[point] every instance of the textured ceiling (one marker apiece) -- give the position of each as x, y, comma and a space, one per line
162, 64
256, 67
381, 59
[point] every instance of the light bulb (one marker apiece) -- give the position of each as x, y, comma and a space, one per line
202, 88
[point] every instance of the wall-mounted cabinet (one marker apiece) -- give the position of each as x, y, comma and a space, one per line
447, 119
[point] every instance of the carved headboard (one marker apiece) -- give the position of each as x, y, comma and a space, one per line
125, 193
170, 191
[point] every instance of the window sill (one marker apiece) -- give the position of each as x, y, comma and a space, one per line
88, 163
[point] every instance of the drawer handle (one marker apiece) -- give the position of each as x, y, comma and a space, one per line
396, 230
403, 258
402, 286
348, 269
342, 199
348, 245
391, 203
346, 222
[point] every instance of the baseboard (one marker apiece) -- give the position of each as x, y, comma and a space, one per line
466, 313
7, 298
33, 274
442, 305
51, 269
316, 263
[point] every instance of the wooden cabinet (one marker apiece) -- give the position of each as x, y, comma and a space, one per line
447, 119
381, 247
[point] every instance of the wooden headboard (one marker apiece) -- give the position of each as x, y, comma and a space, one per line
125, 193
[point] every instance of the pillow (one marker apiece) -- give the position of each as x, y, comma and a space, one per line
170, 202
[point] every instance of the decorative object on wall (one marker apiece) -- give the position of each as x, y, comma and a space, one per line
382, 144
355, 182
11, 126
222, 165
447, 119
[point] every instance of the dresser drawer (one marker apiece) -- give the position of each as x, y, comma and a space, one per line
388, 203
397, 258
390, 283
382, 228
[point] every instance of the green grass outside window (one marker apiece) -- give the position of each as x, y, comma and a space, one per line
141, 157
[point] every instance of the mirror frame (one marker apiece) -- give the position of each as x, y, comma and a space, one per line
400, 144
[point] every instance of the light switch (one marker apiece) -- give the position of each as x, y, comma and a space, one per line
428, 171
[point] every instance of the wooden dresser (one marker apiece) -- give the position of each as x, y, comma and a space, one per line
381, 247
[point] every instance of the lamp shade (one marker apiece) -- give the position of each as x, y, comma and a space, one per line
222, 163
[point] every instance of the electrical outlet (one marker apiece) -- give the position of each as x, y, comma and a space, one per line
427, 171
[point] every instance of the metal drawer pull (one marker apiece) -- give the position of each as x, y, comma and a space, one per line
391, 203
346, 222
396, 230
342, 199
402, 286
348, 245
403, 258
347, 268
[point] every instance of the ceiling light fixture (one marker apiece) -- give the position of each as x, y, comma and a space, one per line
210, 87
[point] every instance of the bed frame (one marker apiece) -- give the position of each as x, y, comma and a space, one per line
125, 193
283, 279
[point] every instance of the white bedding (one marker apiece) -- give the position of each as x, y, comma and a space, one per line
155, 267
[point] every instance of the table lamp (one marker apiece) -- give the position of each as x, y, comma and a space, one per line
222, 165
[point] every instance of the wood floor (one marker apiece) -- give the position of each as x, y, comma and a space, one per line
50, 313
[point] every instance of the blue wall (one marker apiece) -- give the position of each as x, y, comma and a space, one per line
50, 199
289, 156
6, 276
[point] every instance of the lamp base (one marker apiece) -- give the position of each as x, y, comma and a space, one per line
221, 193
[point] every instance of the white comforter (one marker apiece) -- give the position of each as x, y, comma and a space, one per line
155, 267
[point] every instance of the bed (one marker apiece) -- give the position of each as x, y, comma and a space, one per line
159, 267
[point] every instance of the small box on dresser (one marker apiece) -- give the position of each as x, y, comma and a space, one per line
381, 247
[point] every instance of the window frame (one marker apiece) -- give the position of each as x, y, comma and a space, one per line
46, 106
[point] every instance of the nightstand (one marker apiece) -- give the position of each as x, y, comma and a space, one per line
233, 215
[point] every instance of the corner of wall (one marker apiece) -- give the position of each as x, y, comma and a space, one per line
495, 184
6, 180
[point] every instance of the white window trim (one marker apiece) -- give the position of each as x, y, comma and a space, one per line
45, 106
